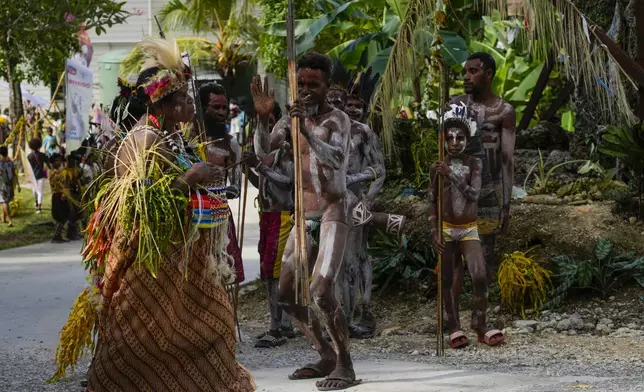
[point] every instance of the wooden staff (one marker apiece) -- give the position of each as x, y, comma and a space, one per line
442, 101
240, 242
301, 259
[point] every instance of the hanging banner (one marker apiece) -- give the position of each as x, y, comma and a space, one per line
86, 51
78, 103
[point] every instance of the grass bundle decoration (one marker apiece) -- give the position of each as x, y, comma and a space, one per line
77, 334
141, 202
523, 281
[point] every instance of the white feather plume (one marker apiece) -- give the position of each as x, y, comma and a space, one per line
459, 112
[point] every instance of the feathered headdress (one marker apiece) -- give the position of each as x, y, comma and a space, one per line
363, 85
459, 113
172, 74
340, 77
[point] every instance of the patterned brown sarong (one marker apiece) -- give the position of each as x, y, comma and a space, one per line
169, 334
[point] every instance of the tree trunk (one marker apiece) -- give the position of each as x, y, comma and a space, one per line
418, 97
639, 25
15, 93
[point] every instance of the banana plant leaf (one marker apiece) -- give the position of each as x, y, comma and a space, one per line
568, 121
454, 47
379, 62
399, 7
307, 30
526, 86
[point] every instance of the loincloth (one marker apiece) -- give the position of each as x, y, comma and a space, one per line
313, 228
460, 233
274, 229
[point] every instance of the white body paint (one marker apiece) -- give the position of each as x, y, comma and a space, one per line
460, 171
329, 235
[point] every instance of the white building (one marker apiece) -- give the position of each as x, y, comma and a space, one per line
117, 41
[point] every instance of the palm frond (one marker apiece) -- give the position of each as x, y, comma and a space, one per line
403, 63
175, 16
198, 15
559, 26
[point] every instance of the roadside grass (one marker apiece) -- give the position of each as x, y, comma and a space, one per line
28, 227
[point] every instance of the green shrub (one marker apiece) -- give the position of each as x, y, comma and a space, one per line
604, 273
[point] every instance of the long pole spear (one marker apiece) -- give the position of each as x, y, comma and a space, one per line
301, 259
442, 102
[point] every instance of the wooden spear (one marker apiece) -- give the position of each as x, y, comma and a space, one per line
442, 102
301, 260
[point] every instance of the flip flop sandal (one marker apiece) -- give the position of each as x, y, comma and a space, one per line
274, 333
360, 332
290, 334
344, 384
269, 341
313, 372
489, 338
458, 339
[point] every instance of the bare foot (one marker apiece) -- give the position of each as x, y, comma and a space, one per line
339, 379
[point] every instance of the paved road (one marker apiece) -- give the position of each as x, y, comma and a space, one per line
38, 283
417, 377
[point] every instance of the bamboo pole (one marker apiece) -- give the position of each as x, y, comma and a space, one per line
301, 259
442, 100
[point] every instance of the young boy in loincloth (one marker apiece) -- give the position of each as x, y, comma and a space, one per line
462, 184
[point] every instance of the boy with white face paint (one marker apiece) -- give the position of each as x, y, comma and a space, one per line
462, 185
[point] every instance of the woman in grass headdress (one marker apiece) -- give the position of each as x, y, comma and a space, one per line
157, 258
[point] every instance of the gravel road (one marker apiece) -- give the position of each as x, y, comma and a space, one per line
24, 369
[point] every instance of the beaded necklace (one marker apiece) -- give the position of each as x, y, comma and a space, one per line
184, 160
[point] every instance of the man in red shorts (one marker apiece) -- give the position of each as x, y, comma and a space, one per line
274, 179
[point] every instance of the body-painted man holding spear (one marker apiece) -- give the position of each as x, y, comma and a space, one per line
324, 152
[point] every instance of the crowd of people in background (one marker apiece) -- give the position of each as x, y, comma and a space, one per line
68, 175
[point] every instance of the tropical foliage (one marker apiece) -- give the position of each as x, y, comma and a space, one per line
603, 273
35, 39
396, 263
553, 28
234, 30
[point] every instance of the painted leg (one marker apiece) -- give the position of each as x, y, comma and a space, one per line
389, 223
349, 275
366, 328
473, 252
487, 242
300, 315
457, 338
333, 239
274, 307
457, 282
273, 337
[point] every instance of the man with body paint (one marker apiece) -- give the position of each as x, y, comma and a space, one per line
365, 179
493, 144
223, 151
274, 180
462, 185
324, 154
